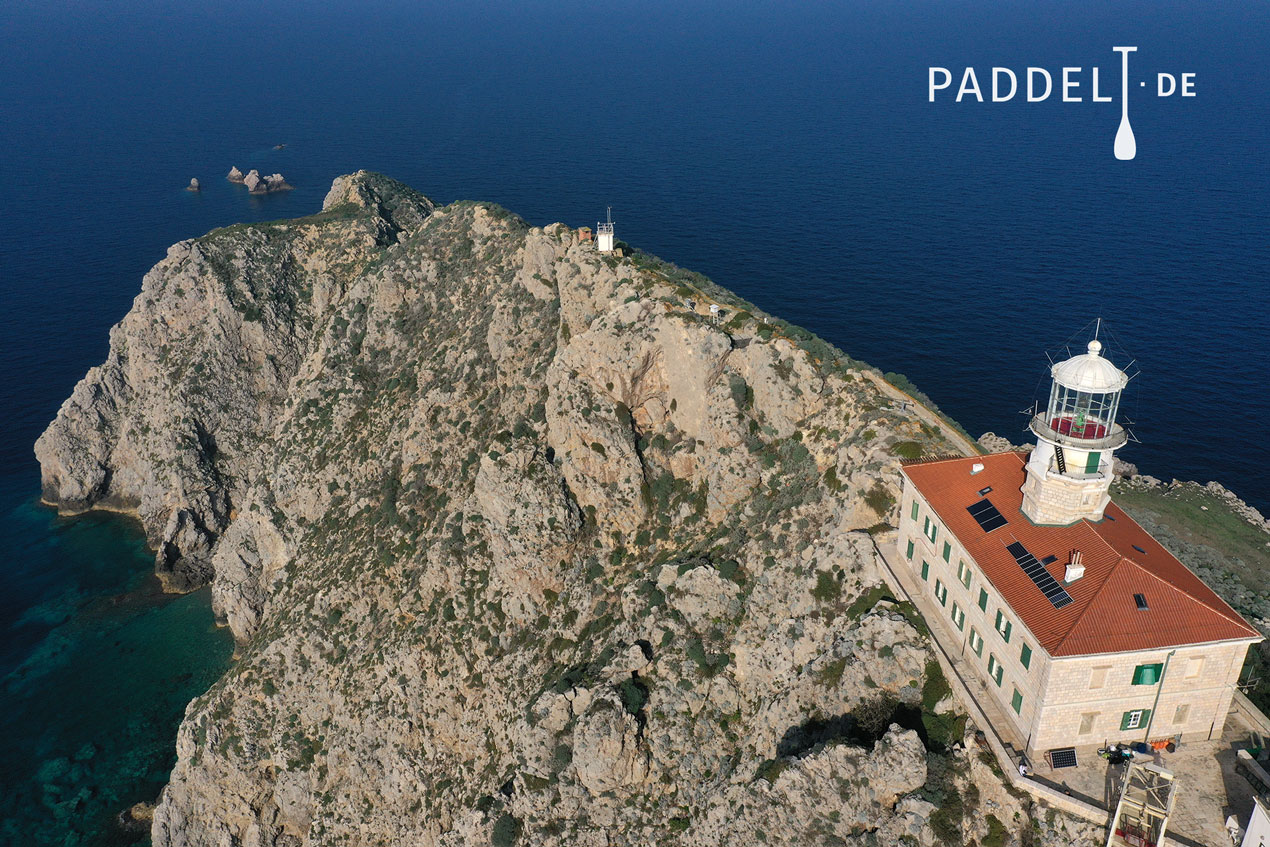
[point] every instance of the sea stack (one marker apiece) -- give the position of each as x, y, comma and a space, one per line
193, 186
235, 175
258, 184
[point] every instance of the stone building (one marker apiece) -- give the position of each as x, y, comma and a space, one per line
1082, 626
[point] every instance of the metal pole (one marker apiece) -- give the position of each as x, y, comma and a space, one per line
1159, 688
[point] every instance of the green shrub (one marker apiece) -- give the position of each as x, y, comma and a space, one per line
831, 674
634, 695
771, 769
997, 835
506, 830
907, 449
879, 499
827, 588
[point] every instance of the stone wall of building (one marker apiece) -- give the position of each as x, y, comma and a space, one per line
1029, 681
1061, 500
1094, 693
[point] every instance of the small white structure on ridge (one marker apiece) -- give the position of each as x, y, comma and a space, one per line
604, 234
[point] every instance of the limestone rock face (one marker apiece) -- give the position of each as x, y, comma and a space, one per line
235, 175
608, 754
994, 443
193, 186
514, 544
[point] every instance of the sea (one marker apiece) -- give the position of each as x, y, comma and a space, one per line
788, 150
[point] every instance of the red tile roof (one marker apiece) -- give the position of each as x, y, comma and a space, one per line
1120, 558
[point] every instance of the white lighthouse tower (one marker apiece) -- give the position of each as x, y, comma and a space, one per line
604, 234
1069, 469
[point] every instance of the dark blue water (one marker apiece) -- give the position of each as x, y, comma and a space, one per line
787, 151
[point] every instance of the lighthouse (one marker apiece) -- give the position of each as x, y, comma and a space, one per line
1069, 469
604, 234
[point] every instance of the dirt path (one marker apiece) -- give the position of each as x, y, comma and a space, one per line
967, 447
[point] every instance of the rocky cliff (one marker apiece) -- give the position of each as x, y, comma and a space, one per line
519, 546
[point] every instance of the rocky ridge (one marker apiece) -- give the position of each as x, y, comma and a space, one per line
517, 547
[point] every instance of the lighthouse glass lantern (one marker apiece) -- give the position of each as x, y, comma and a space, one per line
1069, 470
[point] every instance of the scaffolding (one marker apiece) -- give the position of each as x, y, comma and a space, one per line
1146, 801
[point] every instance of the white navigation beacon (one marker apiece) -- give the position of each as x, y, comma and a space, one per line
1069, 469
604, 234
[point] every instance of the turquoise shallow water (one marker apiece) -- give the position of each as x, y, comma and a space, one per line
96, 668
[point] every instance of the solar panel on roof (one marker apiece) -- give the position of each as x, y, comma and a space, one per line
1055, 593
987, 515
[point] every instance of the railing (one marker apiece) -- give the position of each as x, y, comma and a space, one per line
1041, 426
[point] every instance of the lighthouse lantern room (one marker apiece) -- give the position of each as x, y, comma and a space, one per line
1069, 469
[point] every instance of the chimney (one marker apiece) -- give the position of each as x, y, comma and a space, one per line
1075, 570
976, 468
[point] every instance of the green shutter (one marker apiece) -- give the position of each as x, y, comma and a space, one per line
947, 551
1005, 636
1091, 464
1026, 656
1147, 674
914, 510
1017, 702
925, 569
983, 599
909, 554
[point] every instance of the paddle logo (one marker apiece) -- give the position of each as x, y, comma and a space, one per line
1039, 84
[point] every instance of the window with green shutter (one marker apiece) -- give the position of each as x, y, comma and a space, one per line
1004, 626
976, 642
983, 599
994, 669
914, 510
925, 569
1025, 657
941, 592
947, 551
1134, 719
1147, 674
1091, 464
1017, 702
909, 554
963, 573
929, 529
958, 616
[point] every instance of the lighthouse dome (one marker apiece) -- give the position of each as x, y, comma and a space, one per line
1090, 372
